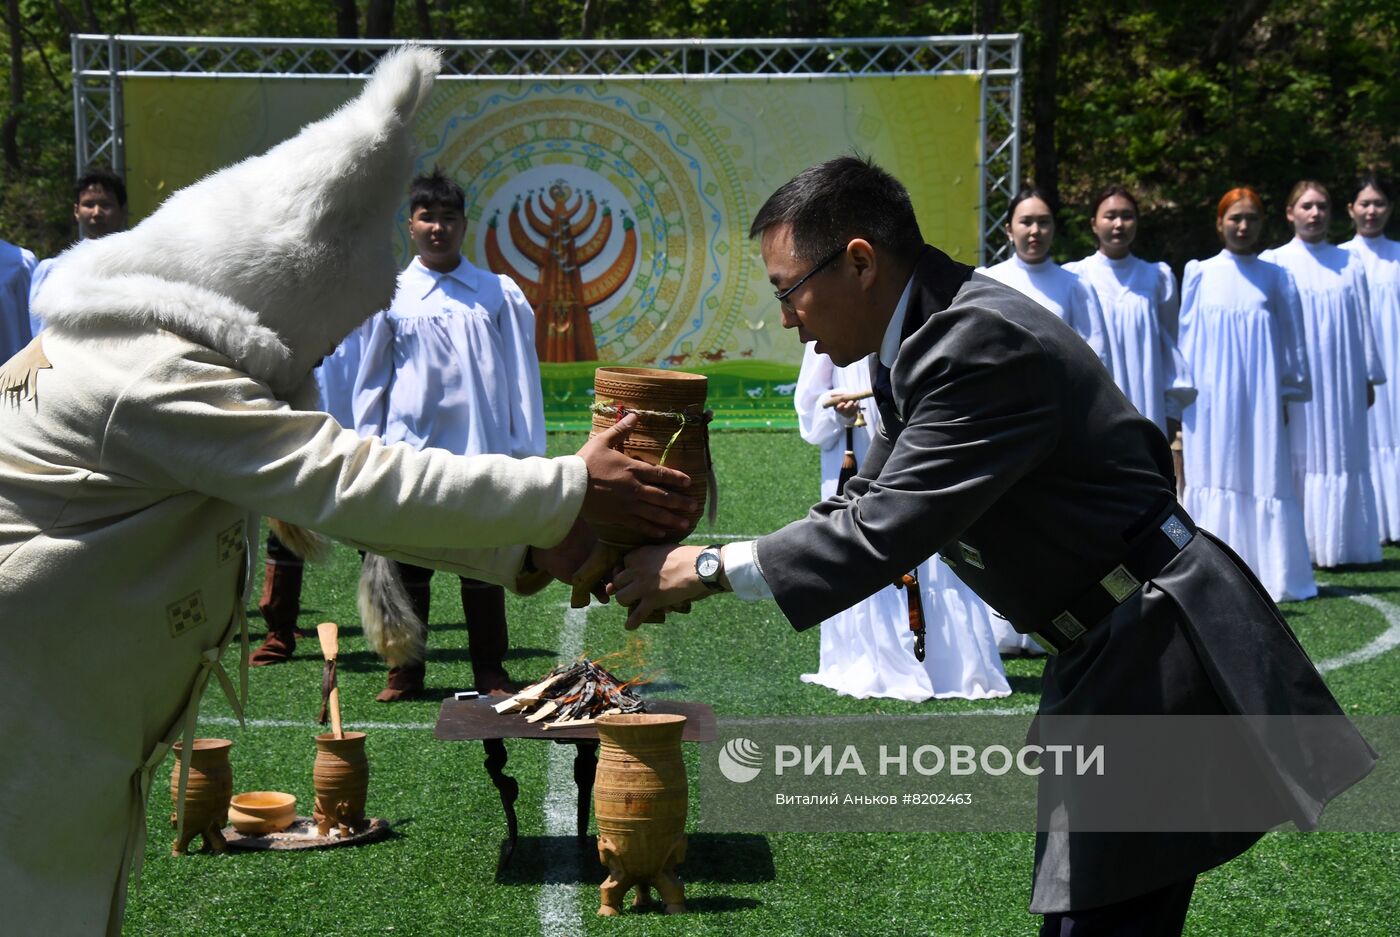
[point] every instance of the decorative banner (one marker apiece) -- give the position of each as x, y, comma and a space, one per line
621, 208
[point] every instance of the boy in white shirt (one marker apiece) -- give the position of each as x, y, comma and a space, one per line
451, 364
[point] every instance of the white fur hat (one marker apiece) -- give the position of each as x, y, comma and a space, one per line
271, 261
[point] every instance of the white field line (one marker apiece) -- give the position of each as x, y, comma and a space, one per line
556, 906
304, 724
1387, 640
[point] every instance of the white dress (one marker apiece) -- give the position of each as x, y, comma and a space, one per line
41, 273
868, 650
1381, 257
1064, 294
335, 376
16, 267
1330, 441
1242, 335
451, 364
1139, 303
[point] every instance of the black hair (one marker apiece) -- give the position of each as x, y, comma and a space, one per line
1029, 191
1373, 180
435, 190
100, 177
1108, 192
831, 203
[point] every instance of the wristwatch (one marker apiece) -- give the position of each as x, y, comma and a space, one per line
708, 566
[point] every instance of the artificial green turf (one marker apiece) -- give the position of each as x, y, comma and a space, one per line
437, 875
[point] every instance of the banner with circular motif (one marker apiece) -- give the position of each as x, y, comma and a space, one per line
621, 208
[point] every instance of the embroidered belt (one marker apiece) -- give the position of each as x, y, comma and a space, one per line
1167, 536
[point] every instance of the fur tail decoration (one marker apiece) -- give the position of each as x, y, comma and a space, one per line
390, 625
307, 544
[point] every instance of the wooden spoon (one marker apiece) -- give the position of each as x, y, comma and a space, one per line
329, 634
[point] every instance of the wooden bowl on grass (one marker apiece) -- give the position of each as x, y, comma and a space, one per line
260, 812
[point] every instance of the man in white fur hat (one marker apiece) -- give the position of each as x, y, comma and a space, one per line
144, 431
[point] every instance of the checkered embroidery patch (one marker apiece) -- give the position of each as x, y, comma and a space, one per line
1069, 625
1120, 583
1177, 532
186, 614
972, 555
229, 543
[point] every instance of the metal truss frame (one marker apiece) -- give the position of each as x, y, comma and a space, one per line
100, 62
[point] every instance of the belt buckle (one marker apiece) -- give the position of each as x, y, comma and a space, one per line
1120, 583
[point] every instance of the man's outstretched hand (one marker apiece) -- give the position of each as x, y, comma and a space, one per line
627, 492
656, 579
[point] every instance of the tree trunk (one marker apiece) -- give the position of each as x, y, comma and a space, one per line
425, 19
90, 18
70, 24
9, 132
379, 19
988, 15
445, 22
1047, 162
347, 20
1239, 20
592, 17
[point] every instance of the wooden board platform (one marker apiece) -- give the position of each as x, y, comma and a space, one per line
302, 834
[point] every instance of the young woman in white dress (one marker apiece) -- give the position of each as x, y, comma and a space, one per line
868, 650
1242, 335
1372, 201
1329, 433
1030, 270
1031, 231
1139, 302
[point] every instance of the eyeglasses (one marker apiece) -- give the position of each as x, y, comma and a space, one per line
782, 295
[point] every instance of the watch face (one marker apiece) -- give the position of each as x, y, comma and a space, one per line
707, 565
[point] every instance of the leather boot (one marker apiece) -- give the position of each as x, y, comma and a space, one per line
406, 682
487, 639
280, 605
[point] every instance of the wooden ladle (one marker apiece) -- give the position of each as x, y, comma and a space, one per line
328, 632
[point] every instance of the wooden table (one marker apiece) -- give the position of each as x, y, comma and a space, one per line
476, 720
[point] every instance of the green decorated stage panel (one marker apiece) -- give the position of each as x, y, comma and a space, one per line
620, 207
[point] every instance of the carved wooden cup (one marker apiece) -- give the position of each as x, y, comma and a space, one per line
662, 400
672, 429
207, 794
639, 798
341, 780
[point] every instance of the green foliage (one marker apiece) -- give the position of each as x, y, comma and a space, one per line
1308, 92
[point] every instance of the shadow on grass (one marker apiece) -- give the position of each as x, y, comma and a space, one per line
1024, 683
1338, 590
725, 858
360, 661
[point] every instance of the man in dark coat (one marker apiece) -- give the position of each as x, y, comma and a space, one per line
1006, 448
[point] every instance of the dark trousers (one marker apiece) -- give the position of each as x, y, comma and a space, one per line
1160, 913
280, 603
484, 608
